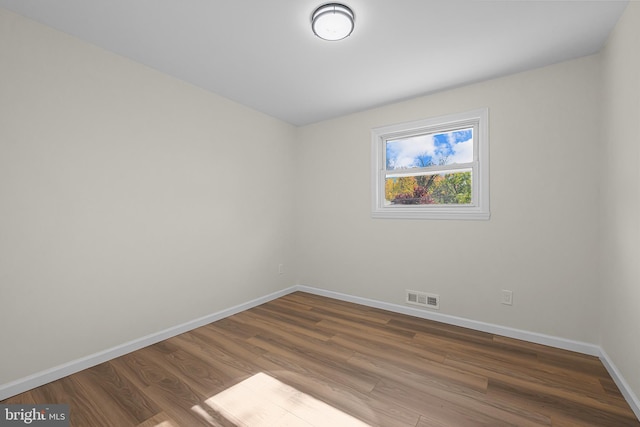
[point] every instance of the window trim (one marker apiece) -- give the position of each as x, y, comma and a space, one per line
479, 207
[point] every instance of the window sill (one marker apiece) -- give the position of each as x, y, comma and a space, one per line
442, 214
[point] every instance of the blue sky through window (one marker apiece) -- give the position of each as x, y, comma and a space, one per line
445, 148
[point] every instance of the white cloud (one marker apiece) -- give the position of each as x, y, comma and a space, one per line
462, 152
406, 150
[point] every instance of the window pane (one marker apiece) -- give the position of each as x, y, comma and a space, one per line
434, 149
438, 189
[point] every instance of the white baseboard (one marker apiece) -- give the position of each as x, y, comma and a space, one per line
626, 391
534, 337
46, 376
43, 377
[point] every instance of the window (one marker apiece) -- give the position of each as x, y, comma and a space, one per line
436, 168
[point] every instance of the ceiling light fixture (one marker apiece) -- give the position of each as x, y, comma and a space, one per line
332, 21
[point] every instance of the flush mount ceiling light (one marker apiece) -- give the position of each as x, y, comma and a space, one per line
332, 21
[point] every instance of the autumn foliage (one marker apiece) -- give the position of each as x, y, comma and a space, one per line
452, 188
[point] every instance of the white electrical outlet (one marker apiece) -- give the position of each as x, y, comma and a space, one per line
280, 268
507, 297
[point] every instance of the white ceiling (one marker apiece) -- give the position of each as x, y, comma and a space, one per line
263, 54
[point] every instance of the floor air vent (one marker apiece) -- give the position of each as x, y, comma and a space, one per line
423, 299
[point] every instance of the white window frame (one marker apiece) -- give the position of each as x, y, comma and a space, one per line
478, 209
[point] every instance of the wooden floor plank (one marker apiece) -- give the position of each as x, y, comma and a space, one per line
567, 406
120, 396
381, 368
448, 406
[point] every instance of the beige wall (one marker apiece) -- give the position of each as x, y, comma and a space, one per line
620, 197
126, 205
541, 241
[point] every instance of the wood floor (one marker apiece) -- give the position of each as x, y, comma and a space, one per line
305, 360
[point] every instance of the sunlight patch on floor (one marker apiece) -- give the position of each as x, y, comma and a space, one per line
205, 416
262, 400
